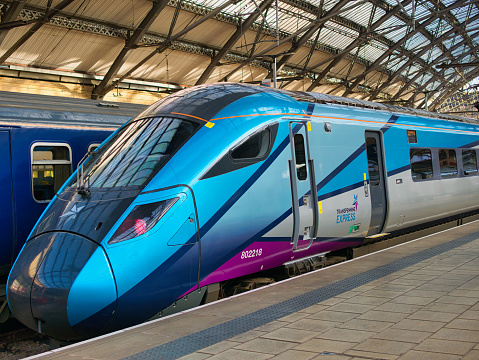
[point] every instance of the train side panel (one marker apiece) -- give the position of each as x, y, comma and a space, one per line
437, 196
6, 205
341, 170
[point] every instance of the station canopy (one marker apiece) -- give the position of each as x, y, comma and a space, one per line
399, 52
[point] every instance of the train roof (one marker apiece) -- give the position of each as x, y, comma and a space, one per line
31, 109
205, 101
339, 100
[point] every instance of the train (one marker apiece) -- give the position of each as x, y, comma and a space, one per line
225, 180
42, 139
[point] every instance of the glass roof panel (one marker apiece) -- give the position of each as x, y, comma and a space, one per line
431, 54
362, 13
393, 28
368, 52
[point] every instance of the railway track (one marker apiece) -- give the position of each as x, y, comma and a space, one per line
13, 336
17, 341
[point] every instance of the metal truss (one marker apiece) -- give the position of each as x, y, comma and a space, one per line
393, 52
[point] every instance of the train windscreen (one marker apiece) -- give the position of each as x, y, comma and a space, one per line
136, 153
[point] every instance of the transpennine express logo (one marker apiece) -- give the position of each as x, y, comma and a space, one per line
347, 214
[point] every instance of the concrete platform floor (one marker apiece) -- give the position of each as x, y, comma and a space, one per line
416, 301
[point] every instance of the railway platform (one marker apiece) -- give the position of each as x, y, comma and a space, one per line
416, 300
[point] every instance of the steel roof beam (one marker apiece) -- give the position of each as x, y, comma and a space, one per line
413, 59
402, 51
307, 35
361, 38
330, 14
451, 79
447, 92
240, 30
256, 41
150, 39
454, 22
338, 19
49, 13
131, 43
430, 65
169, 41
11, 15
31, 13
390, 51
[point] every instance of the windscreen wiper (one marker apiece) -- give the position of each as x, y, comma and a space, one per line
83, 187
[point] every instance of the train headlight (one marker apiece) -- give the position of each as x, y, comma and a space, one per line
141, 220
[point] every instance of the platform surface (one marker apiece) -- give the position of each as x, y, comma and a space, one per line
419, 300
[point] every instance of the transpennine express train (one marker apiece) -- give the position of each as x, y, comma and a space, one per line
42, 139
224, 180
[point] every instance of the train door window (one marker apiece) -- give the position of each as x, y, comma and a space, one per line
421, 164
448, 163
51, 167
373, 162
300, 155
469, 162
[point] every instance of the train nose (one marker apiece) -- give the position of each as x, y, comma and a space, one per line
61, 285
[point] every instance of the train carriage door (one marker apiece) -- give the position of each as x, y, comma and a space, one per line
303, 187
377, 184
6, 220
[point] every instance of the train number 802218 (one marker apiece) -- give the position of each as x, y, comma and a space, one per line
251, 253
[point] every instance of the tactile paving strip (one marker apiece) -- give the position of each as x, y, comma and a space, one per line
194, 342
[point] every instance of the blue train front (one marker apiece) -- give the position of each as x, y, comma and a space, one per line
74, 278
120, 241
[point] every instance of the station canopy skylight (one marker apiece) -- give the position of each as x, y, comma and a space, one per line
396, 52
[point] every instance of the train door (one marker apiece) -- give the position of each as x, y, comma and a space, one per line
303, 188
6, 205
377, 183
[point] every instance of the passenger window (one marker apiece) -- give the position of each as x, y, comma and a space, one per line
448, 163
300, 156
51, 167
469, 162
254, 147
421, 164
373, 162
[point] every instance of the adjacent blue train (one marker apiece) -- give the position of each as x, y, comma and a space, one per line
42, 139
224, 180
